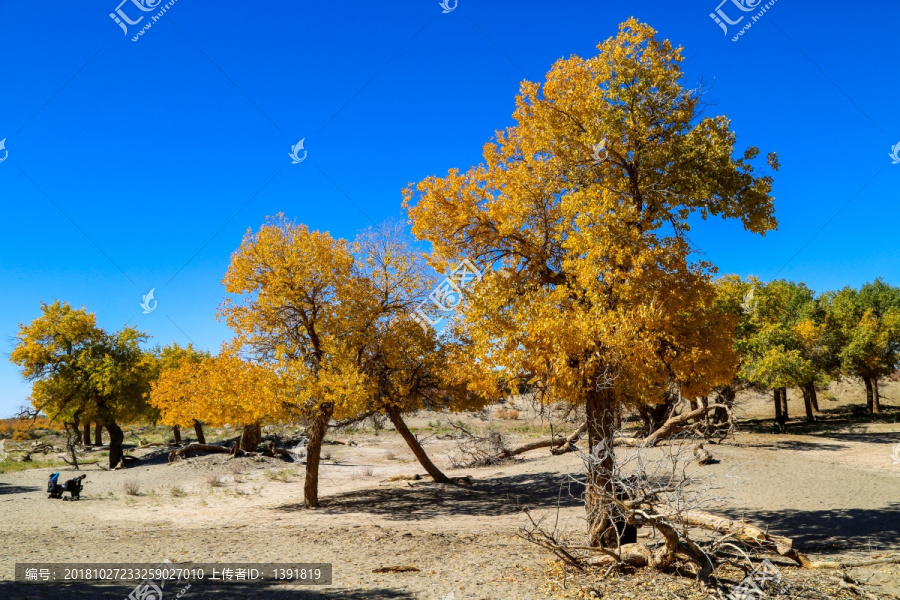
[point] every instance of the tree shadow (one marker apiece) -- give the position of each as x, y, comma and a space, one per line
804, 446
6, 488
491, 497
831, 531
201, 590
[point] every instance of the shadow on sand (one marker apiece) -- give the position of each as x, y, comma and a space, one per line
425, 500
197, 591
832, 531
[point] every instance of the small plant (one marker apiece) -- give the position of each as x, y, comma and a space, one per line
326, 456
132, 487
390, 456
236, 472
178, 492
368, 472
282, 475
214, 480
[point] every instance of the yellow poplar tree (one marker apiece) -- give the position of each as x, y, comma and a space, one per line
300, 311
582, 208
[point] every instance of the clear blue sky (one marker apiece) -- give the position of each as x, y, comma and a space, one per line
139, 165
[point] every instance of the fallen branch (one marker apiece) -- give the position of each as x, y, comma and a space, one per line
673, 425
558, 445
190, 449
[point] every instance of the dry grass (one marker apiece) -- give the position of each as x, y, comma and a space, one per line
214, 480
390, 456
178, 492
282, 475
131, 487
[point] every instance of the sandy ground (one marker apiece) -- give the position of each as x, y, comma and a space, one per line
835, 490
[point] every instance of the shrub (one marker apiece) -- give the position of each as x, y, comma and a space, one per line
132, 487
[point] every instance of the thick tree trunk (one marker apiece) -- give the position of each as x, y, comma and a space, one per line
198, 429
313, 450
251, 437
416, 447
116, 437
86, 439
876, 397
176, 433
601, 515
807, 403
76, 422
784, 404
777, 394
813, 396
869, 396
98, 434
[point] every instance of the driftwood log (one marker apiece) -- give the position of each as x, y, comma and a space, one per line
191, 449
673, 425
776, 544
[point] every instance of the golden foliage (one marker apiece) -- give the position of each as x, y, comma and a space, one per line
591, 272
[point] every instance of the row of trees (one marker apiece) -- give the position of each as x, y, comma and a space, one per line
788, 337
589, 279
83, 374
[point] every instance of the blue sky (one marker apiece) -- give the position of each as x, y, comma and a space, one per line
139, 165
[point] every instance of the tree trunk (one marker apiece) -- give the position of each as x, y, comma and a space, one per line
76, 421
198, 429
602, 525
813, 397
86, 439
116, 437
98, 434
313, 450
415, 446
176, 432
777, 394
784, 404
251, 437
869, 396
876, 397
807, 403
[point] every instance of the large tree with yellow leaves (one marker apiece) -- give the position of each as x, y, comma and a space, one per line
582, 207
